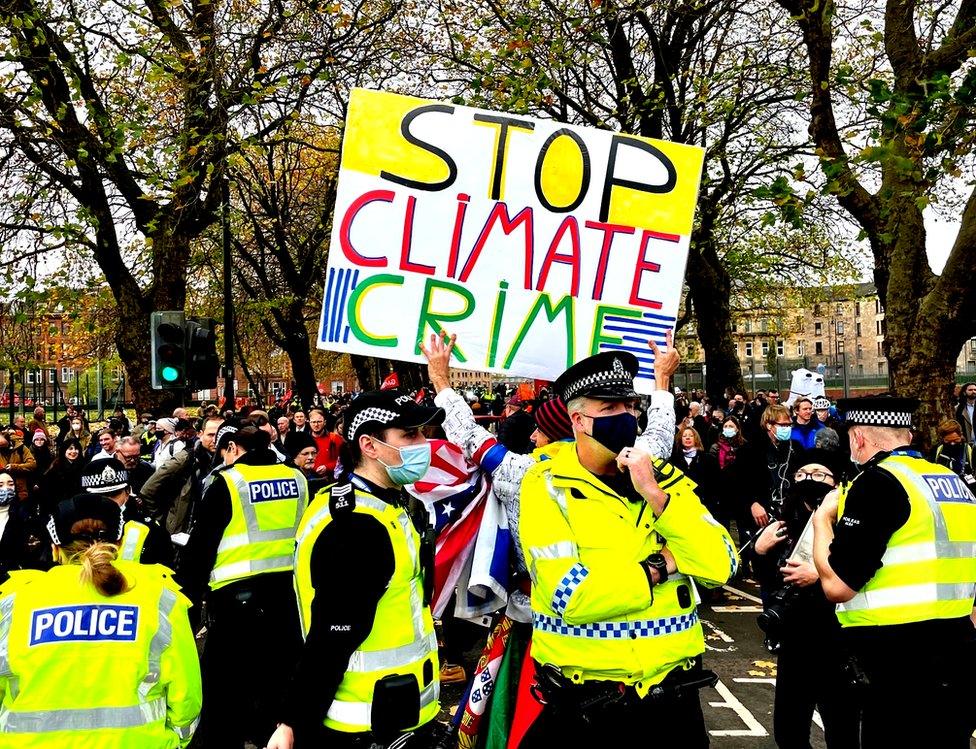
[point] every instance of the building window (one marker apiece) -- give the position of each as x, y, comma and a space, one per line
818, 328
736, 349
799, 324
840, 328
878, 309
972, 344
67, 374
840, 344
816, 310
857, 308
780, 348
877, 327
748, 349
735, 327
818, 348
839, 309
881, 367
860, 369
763, 325
860, 351
748, 326
880, 352
799, 348
971, 366
857, 329
50, 375
765, 348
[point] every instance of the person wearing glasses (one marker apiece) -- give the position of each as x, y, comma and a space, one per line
799, 620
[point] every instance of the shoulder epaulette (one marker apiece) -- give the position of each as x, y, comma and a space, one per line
342, 497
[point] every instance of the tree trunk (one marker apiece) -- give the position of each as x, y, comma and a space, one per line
710, 288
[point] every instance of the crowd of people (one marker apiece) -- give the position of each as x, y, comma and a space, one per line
311, 532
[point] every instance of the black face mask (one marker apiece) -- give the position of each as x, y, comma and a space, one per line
159, 434
615, 432
810, 492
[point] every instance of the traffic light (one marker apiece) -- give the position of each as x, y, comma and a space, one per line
202, 361
168, 350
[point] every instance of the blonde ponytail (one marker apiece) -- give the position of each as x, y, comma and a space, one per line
96, 565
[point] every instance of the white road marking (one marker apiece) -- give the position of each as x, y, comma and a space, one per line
737, 609
755, 728
747, 596
816, 713
724, 637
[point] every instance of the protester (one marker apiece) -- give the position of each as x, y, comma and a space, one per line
805, 424
17, 459
965, 411
727, 485
41, 450
516, 426
689, 455
127, 451
63, 478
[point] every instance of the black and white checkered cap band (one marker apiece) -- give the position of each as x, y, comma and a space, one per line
369, 414
607, 378
897, 419
228, 429
52, 529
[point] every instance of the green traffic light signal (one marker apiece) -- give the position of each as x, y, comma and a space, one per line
168, 349
170, 374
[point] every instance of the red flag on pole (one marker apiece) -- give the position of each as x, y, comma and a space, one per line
391, 382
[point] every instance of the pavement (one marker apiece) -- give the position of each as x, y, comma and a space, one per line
739, 709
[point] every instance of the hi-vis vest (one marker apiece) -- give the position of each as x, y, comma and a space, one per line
266, 504
134, 535
402, 640
929, 567
84, 670
593, 613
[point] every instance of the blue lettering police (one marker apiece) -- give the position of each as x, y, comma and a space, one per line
949, 488
85, 624
262, 491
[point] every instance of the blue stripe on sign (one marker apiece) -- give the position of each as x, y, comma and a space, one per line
659, 317
638, 321
326, 305
620, 347
337, 305
352, 286
342, 304
637, 339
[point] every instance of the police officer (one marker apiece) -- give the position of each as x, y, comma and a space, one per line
611, 539
368, 672
240, 557
896, 550
143, 539
96, 651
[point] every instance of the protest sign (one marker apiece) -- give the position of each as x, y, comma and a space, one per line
538, 243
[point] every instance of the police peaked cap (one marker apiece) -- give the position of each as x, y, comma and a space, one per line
85, 507
383, 409
878, 411
608, 375
104, 476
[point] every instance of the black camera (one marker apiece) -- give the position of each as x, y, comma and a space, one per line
773, 617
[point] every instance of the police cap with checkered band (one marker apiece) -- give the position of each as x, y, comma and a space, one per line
383, 409
878, 411
605, 376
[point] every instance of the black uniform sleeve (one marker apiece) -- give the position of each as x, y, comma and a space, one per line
158, 548
198, 557
876, 507
351, 566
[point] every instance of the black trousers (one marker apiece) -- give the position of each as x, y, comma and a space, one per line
809, 676
920, 697
251, 649
675, 722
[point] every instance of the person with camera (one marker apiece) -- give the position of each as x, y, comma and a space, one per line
895, 550
798, 619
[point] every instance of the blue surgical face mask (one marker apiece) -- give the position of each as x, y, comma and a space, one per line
414, 462
729, 432
7, 495
615, 432
783, 433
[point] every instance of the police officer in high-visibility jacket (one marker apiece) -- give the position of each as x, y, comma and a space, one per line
240, 557
896, 550
143, 539
613, 540
95, 652
368, 673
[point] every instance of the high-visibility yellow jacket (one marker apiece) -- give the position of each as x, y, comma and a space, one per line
402, 640
929, 566
86, 671
593, 613
266, 504
134, 537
